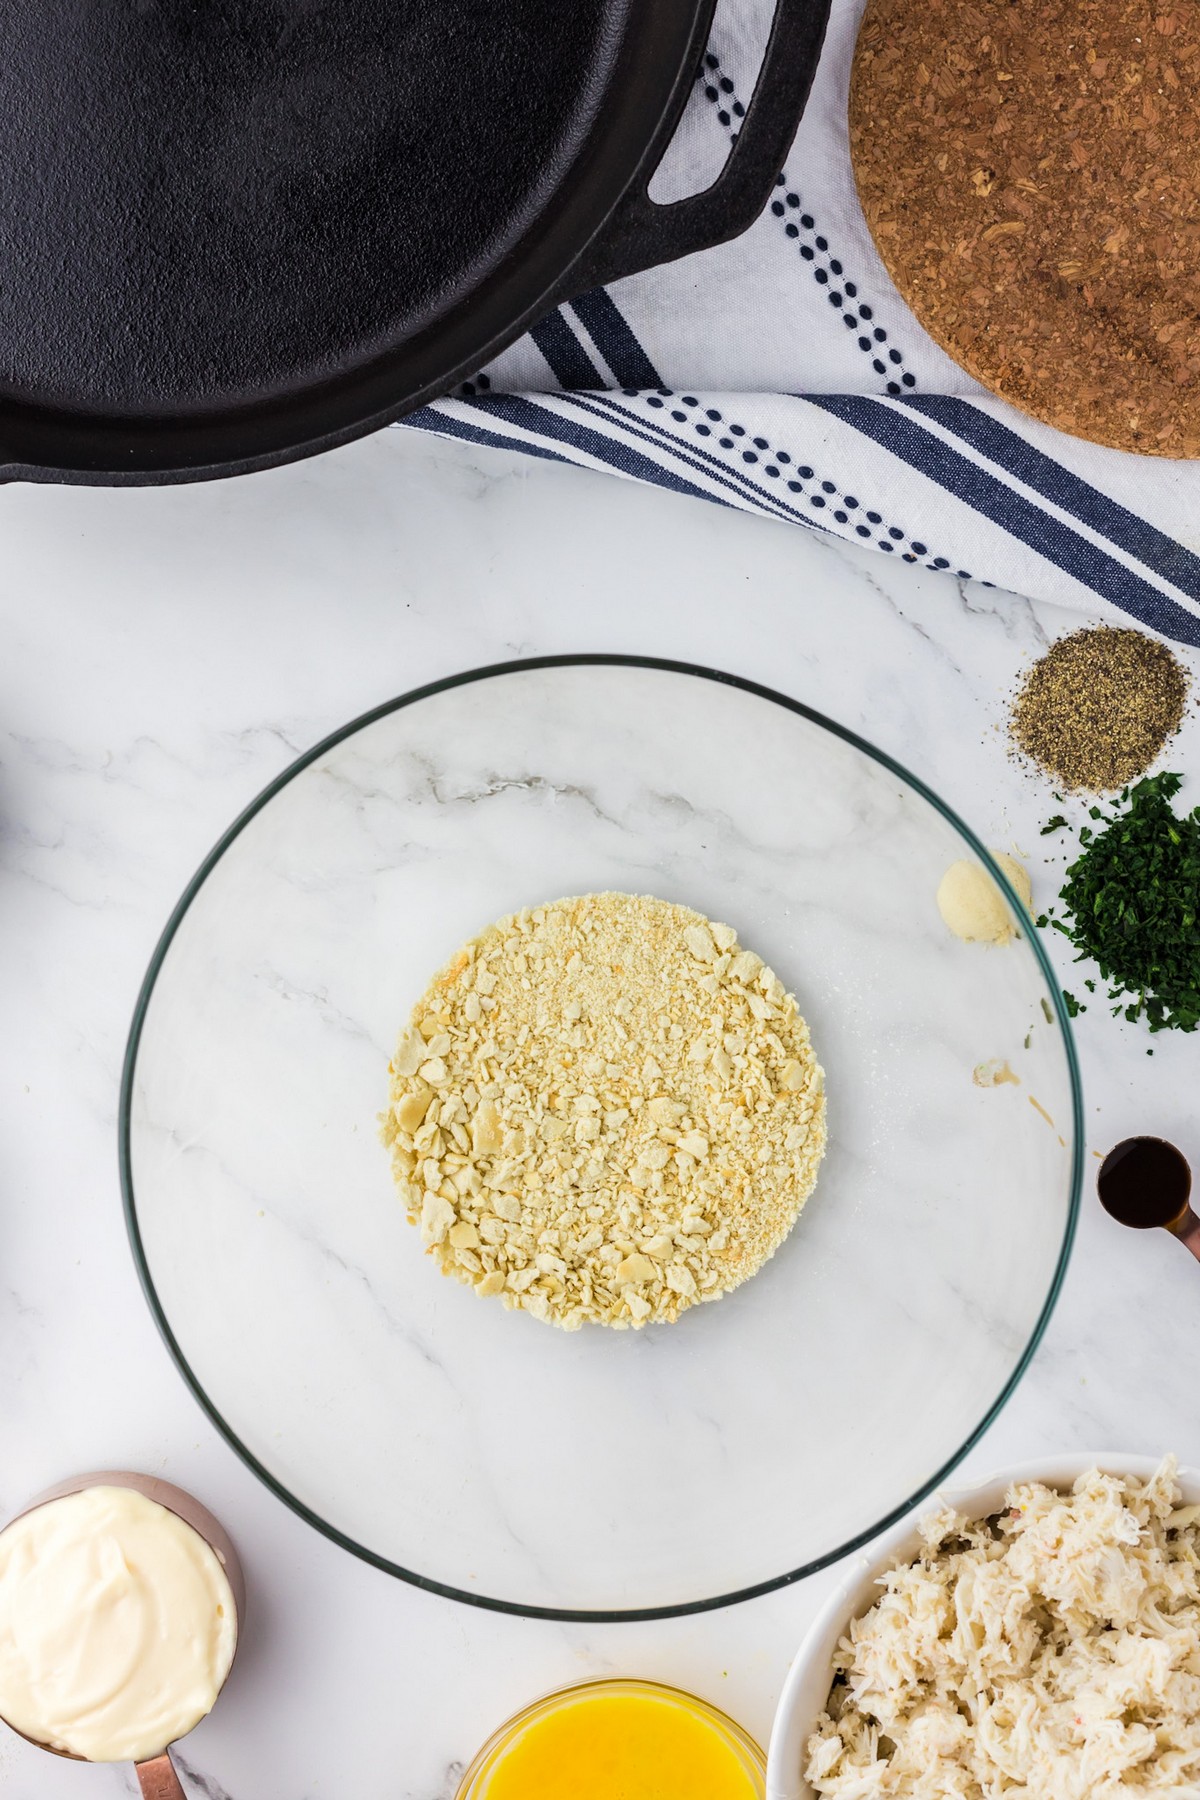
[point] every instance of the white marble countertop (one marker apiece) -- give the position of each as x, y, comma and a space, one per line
166, 653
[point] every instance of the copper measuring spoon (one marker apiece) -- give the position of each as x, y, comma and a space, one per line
157, 1777
1146, 1182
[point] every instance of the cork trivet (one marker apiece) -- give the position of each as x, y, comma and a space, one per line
1030, 171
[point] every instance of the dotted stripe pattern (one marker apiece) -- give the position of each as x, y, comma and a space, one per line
777, 465
797, 478
827, 270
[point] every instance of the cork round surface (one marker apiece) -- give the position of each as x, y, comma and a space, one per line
1030, 172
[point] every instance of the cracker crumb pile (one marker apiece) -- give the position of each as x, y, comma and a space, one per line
605, 1110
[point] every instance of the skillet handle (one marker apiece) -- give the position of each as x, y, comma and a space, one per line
642, 233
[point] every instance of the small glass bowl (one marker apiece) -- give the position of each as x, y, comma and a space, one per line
751, 1758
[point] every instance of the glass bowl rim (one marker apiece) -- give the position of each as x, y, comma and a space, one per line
490, 1603
739, 1738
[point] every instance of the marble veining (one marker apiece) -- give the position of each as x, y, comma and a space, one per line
167, 654
937, 1207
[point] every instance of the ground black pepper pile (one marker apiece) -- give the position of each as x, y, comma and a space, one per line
1131, 902
1097, 709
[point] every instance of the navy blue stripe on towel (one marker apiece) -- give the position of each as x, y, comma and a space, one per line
427, 418
614, 338
570, 363
1152, 547
527, 416
696, 457
906, 438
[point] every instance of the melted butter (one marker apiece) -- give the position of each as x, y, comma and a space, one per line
117, 1625
994, 1074
620, 1747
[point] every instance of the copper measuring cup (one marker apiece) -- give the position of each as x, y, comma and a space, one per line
157, 1777
1145, 1182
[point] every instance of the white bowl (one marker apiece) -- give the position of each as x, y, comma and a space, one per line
811, 1675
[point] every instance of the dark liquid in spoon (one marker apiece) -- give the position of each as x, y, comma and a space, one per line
1144, 1182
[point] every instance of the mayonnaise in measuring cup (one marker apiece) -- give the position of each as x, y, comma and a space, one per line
117, 1625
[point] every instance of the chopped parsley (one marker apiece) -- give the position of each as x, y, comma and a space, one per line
1131, 902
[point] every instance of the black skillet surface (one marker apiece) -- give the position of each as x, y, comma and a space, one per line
233, 232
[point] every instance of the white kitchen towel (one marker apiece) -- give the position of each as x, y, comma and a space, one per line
783, 374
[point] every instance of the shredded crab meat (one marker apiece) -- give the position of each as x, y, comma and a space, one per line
1049, 1653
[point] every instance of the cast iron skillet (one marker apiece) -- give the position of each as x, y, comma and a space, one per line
235, 232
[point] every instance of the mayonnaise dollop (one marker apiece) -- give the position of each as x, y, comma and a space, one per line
117, 1625
973, 907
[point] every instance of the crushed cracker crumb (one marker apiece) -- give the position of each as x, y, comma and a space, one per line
604, 1109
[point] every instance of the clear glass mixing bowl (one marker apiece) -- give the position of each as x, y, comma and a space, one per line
474, 1450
